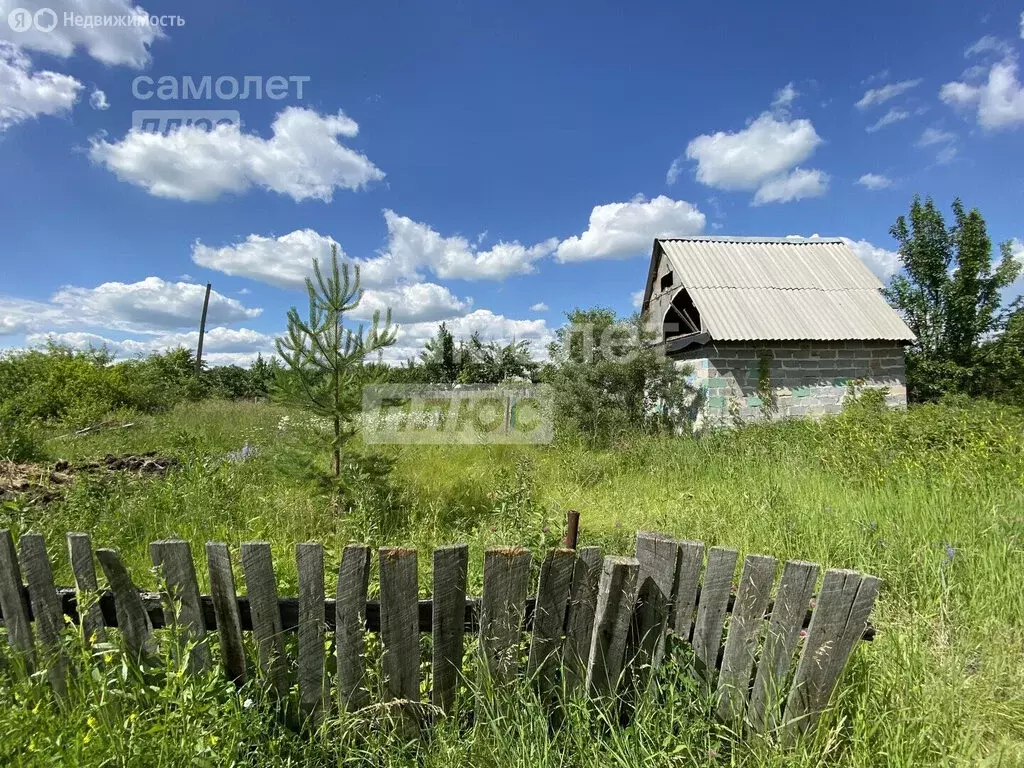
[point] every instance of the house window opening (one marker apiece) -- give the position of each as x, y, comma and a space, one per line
666, 281
682, 317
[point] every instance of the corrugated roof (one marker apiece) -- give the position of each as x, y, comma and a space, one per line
749, 289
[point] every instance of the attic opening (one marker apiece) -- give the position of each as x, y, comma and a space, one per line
682, 317
666, 281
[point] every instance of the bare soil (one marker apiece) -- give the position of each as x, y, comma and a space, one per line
43, 483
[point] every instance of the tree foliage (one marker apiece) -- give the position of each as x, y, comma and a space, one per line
608, 380
949, 293
324, 358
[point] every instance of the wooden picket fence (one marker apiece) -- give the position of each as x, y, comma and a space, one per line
596, 623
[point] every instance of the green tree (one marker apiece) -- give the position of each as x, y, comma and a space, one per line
324, 358
949, 294
1003, 358
608, 380
442, 359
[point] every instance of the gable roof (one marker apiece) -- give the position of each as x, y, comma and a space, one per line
778, 289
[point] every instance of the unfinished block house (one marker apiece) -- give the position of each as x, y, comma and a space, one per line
773, 327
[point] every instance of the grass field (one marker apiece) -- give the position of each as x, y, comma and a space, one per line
932, 501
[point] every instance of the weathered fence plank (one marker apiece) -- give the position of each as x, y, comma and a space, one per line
264, 612
132, 618
261, 587
691, 557
579, 623
788, 613
225, 606
615, 600
506, 580
549, 617
309, 560
350, 623
46, 608
745, 628
448, 622
174, 558
86, 586
13, 600
399, 631
714, 601
658, 556
824, 636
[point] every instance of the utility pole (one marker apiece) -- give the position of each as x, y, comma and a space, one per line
202, 332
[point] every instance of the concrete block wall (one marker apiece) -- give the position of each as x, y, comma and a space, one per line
807, 378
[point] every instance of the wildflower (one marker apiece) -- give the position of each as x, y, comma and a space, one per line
803, 633
247, 704
950, 553
814, 603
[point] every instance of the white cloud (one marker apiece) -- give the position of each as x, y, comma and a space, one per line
785, 96
1022, 26
763, 151
620, 230
150, 304
284, 261
540, 306
874, 181
674, 171
999, 101
797, 185
221, 346
26, 95
20, 316
882, 262
892, 116
98, 100
126, 44
490, 327
415, 303
413, 244
944, 140
875, 96
990, 44
636, 298
1016, 244
303, 159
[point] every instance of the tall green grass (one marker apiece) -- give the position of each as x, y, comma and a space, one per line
931, 501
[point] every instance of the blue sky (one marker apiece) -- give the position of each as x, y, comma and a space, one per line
489, 165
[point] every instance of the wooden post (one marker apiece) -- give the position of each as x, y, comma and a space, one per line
202, 333
132, 619
399, 623
658, 556
86, 587
225, 608
714, 601
503, 606
182, 603
350, 626
691, 557
744, 635
46, 608
615, 601
579, 623
795, 590
448, 622
261, 586
549, 617
12, 599
309, 559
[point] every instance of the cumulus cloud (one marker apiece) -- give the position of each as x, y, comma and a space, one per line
796, 185
489, 326
892, 116
417, 302
636, 298
998, 102
150, 305
221, 346
540, 306
768, 147
304, 159
26, 95
284, 261
874, 181
875, 96
620, 230
98, 100
126, 44
882, 262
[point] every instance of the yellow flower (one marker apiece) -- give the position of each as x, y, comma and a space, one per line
87, 739
90, 721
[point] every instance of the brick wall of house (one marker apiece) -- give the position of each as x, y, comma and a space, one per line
806, 378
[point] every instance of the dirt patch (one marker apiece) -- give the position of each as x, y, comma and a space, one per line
43, 483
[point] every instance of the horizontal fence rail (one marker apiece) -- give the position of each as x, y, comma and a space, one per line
768, 655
